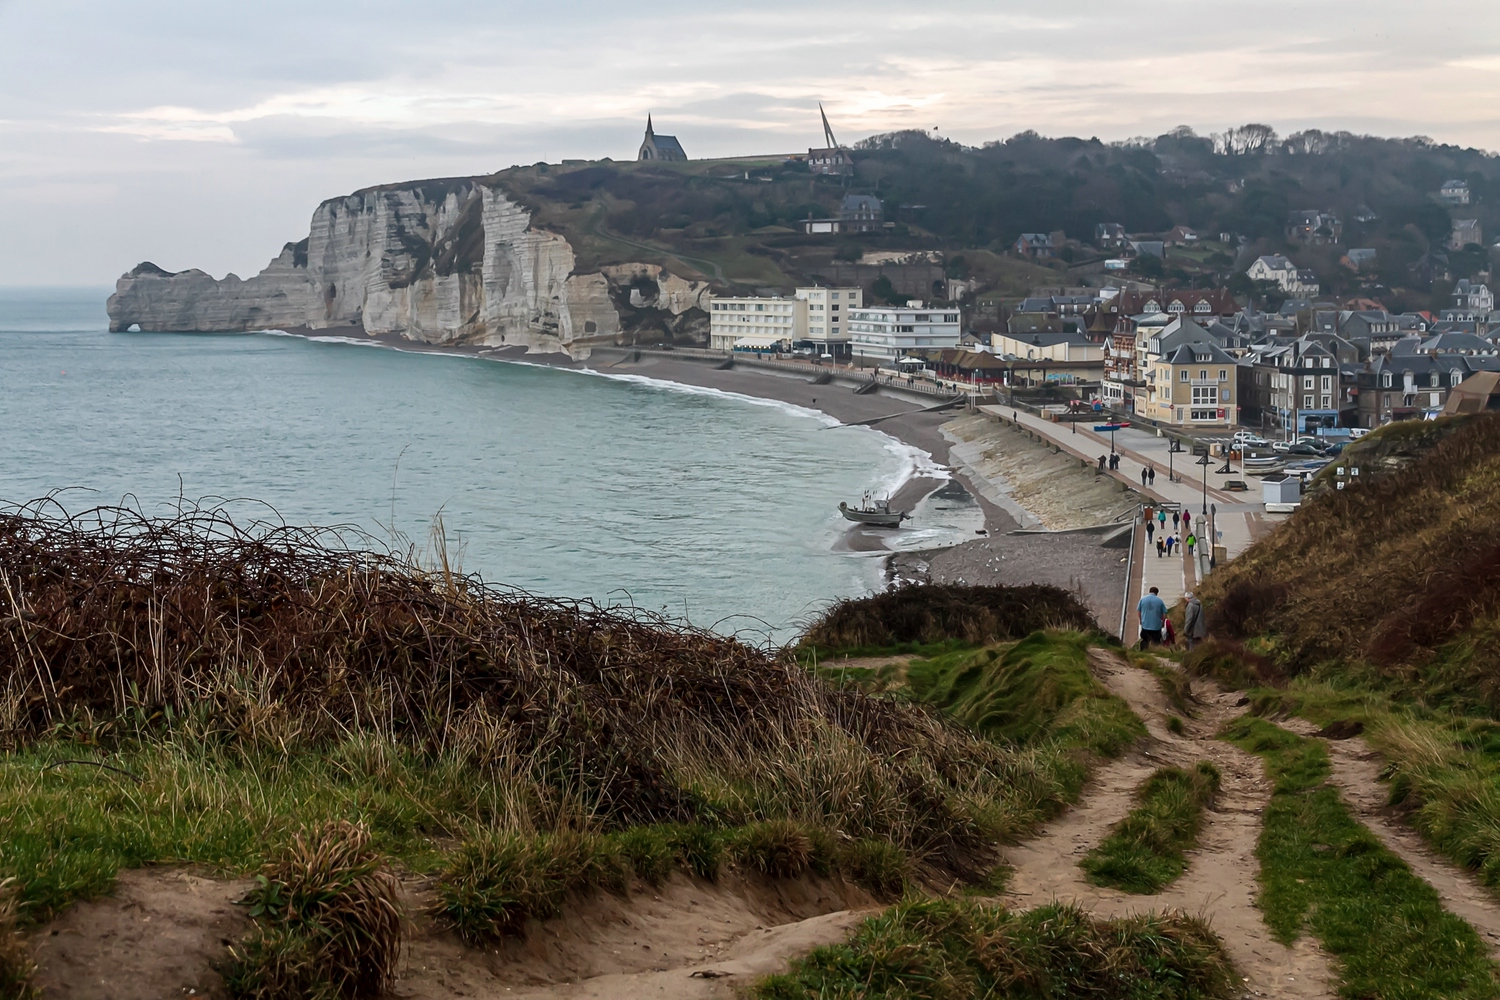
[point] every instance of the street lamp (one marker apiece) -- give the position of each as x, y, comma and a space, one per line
1205, 461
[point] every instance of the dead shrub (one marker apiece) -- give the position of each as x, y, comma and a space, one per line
931, 613
1232, 665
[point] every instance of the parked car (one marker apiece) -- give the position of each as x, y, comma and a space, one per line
1281, 447
1249, 439
1355, 433
1303, 448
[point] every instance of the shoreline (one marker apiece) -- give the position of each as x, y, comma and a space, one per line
1073, 562
901, 419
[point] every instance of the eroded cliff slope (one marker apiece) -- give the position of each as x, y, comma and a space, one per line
444, 261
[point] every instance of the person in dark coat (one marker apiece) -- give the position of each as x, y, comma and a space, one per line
1102, 460
1150, 530
1151, 472
1161, 547
1176, 520
1143, 477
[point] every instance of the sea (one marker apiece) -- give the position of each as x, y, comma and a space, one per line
709, 508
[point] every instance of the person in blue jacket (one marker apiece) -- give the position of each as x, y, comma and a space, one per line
1153, 612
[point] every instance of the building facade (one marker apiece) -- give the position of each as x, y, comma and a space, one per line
756, 324
881, 334
1196, 385
828, 312
659, 147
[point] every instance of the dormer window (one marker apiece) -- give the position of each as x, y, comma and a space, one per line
1455, 377
1385, 380
1434, 380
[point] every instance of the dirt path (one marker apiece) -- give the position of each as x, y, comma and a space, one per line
1356, 772
1220, 883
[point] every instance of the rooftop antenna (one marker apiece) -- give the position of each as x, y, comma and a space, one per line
827, 129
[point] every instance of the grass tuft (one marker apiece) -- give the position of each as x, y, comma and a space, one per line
942, 949
16, 964
881, 869
1322, 871
1146, 851
328, 922
777, 848
496, 883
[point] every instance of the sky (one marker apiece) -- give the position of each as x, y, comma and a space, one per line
204, 133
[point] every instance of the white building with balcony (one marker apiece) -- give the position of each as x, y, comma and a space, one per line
756, 324
884, 333
828, 312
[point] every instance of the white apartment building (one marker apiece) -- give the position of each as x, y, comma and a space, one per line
828, 317
884, 333
756, 324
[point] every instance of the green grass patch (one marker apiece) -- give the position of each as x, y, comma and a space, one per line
1146, 851
493, 885
1323, 871
1036, 690
950, 949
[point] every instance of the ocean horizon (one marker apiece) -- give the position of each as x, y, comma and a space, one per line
700, 505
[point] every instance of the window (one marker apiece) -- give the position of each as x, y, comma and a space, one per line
1307, 382
1385, 381
1436, 399
1455, 378
1185, 375
760, 307
1327, 402
1327, 362
1205, 395
1327, 382
1223, 374
1307, 402
1203, 414
835, 295
1434, 380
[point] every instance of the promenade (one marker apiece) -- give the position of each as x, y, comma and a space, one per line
1235, 519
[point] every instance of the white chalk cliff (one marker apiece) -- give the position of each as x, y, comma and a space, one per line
446, 261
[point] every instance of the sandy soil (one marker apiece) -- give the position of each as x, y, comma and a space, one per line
1356, 772
1220, 883
165, 930
158, 936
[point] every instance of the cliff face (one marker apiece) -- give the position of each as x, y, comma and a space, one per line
450, 261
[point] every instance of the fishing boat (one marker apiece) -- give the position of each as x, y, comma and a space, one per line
876, 513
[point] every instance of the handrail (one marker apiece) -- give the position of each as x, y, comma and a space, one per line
1129, 568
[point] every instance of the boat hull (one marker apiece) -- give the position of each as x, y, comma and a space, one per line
873, 518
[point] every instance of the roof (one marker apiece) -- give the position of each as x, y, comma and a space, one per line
1200, 353
1474, 393
759, 340
1049, 339
667, 144
1276, 262
1036, 239
1461, 343
861, 202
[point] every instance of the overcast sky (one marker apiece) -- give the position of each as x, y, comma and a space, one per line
202, 133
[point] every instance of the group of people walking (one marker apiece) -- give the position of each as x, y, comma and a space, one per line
1156, 626
1182, 531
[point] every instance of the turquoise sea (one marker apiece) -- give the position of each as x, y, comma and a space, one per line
696, 504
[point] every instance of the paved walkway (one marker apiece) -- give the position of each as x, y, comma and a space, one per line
1235, 521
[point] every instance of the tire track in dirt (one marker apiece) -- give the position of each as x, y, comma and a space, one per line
1220, 883
1356, 772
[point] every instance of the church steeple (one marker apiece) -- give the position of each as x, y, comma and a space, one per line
649, 130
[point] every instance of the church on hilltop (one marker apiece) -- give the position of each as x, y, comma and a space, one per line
660, 147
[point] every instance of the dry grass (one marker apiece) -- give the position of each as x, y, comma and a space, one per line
1401, 569
329, 922
16, 965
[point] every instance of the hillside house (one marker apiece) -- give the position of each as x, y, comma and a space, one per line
1109, 236
1465, 231
1454, 192
1473, 298
1286, 275
1359, 259
1034, 245
1180, 236
1313, 228
1067, 347
861, 213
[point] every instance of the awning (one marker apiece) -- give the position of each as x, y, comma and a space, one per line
759, 342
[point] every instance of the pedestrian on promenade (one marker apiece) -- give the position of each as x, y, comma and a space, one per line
1161, 547
1161, 519
1114, 462
1176, 520
1171, 541
1194, 621
1153, 611
1187, 519
1143, 477
1192, 540
1151, 472
1102, 460
1150, 530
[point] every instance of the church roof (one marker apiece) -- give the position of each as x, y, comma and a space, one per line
667, 144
